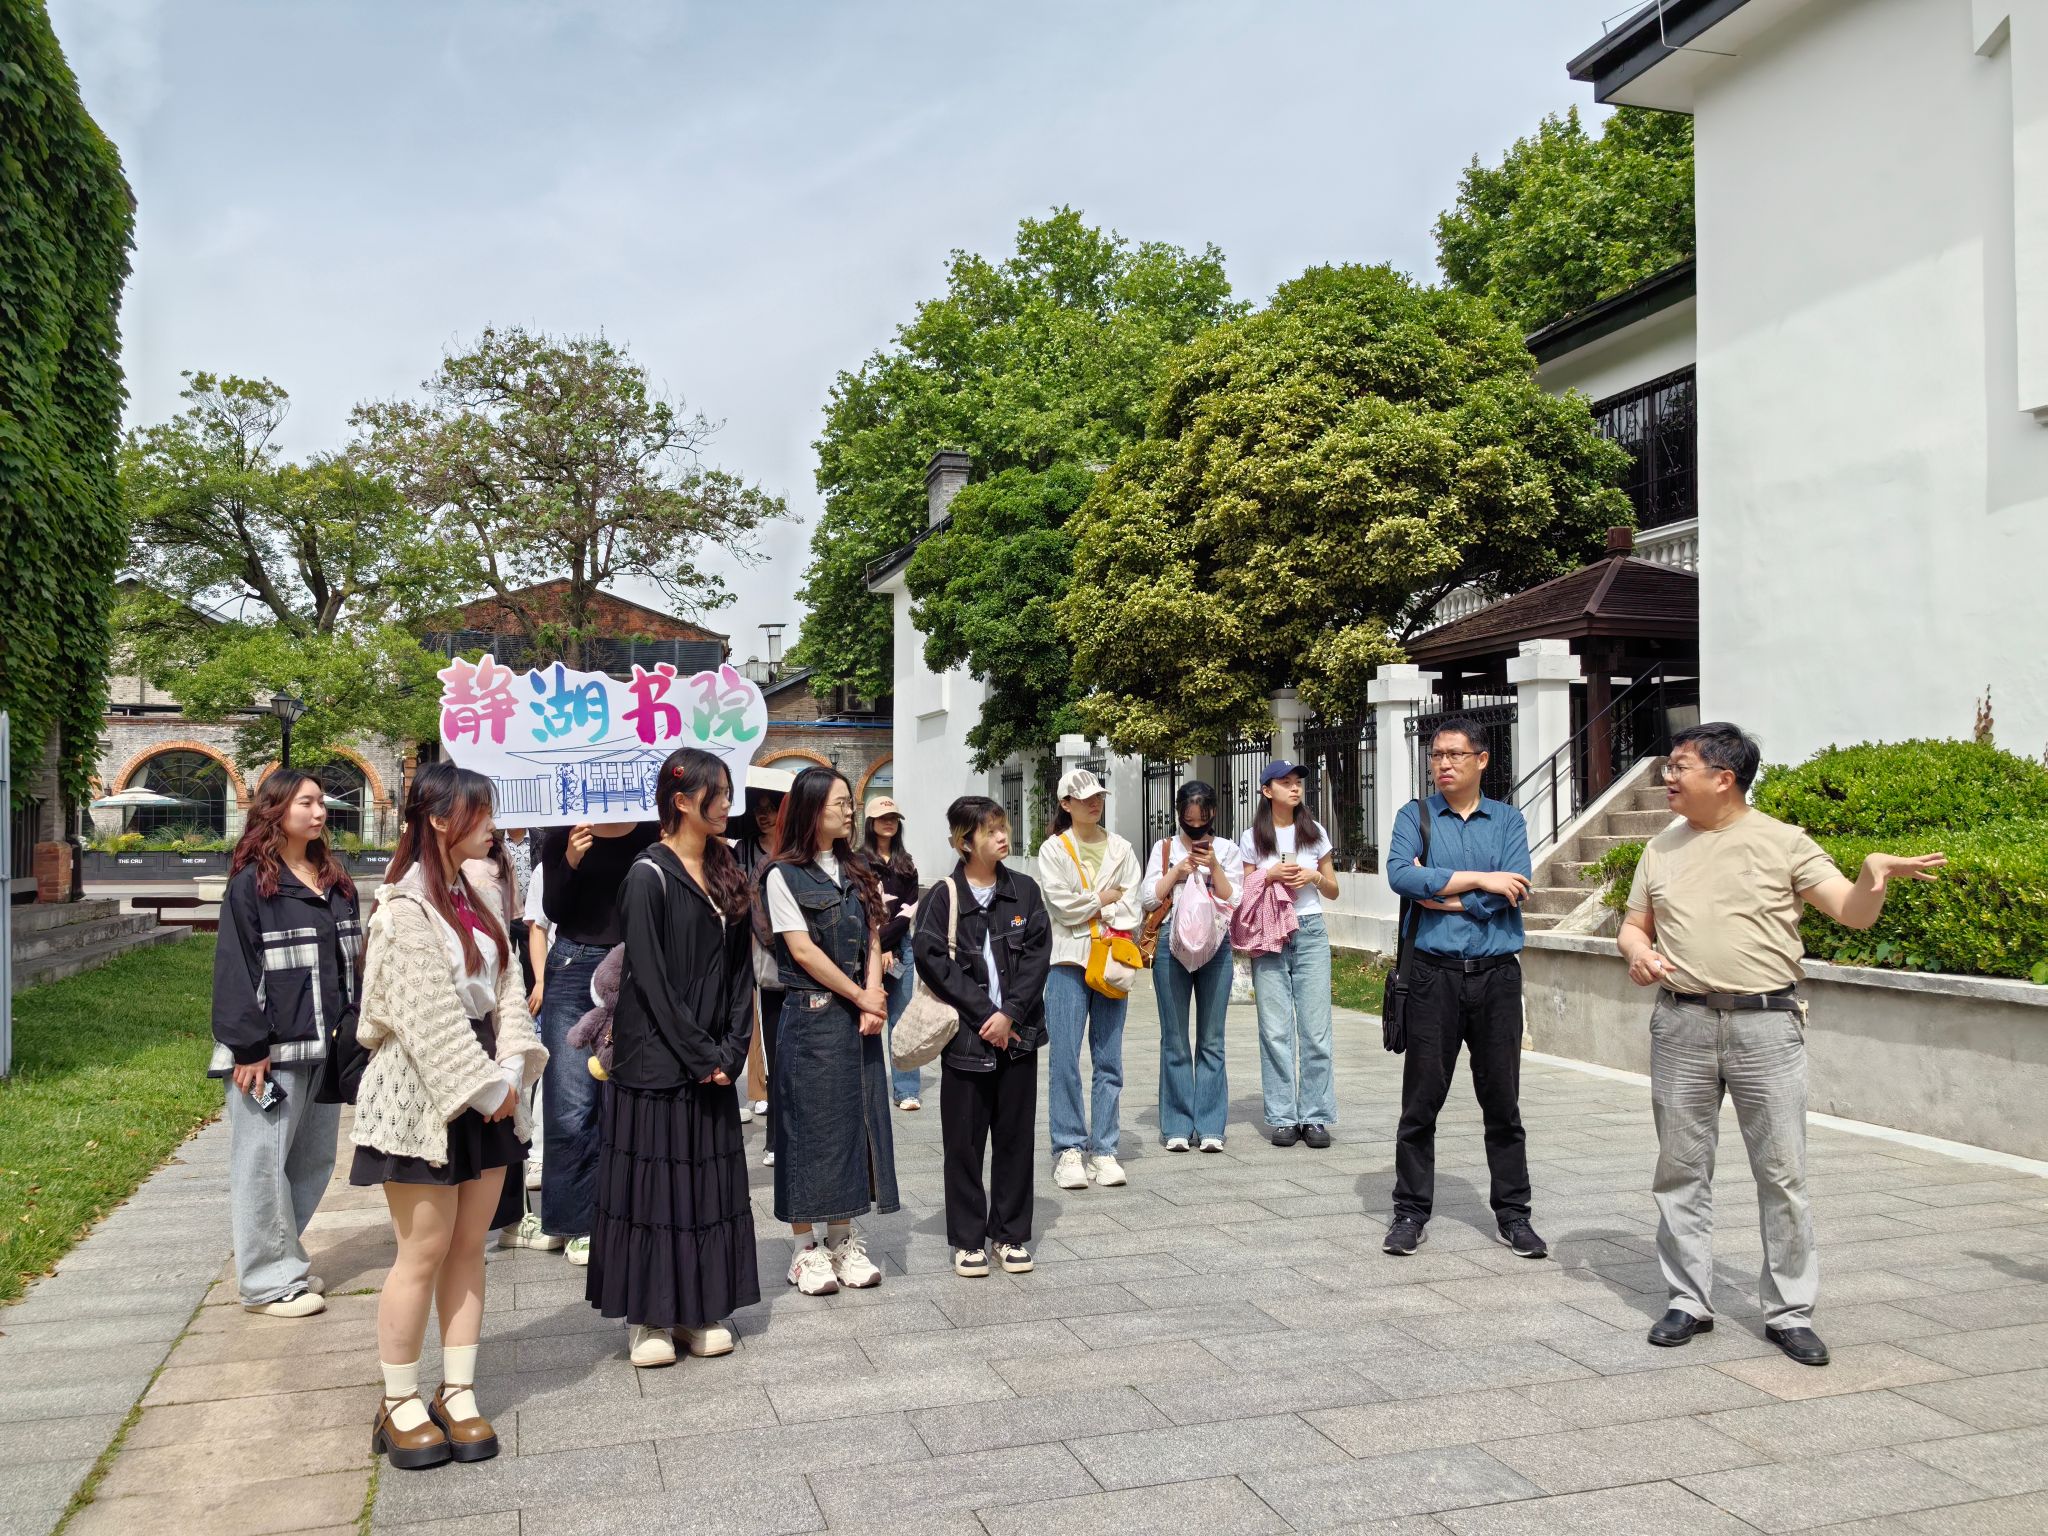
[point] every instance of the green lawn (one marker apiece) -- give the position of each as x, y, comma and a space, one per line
108, 1079
1357, 979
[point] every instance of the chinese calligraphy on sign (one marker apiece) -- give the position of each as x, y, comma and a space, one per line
562, 746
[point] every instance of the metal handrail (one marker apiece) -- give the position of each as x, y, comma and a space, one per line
1622, 705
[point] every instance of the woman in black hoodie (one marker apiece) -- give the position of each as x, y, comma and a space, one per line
673, 1244
994, 975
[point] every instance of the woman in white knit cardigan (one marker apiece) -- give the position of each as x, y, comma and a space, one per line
440, 1115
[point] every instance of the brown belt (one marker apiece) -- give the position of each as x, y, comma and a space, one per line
1784, 1000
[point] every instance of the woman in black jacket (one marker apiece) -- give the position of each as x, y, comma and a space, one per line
882, 842
994, 974
286, 983
673, 1244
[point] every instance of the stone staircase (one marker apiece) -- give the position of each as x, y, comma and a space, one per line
64, 938
1633, 809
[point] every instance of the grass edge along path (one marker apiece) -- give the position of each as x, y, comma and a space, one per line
1358, 979
109, 1079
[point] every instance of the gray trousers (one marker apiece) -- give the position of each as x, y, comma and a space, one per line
1759, 1060
279, 1162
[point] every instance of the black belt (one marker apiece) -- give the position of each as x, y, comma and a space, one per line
1471, 965
1784, 1000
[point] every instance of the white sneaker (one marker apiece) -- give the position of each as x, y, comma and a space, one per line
851, 1265
305, 1304
1212, 1143
970, 1263
532, 1174
768, 1158
649, 1347
528, 1234
1016, 1258
913, 1102
1106, 1171
760, 1106
1176, 1143
1068, 1171
577, 1252
705, 1342
746, 1113
811, 1272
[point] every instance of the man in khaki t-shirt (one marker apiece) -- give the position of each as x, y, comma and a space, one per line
1713, 922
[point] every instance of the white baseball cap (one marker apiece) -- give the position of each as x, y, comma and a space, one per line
1080, 784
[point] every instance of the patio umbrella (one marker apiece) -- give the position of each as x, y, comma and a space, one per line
133, 799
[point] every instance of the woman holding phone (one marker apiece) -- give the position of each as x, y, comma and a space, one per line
1194, 1089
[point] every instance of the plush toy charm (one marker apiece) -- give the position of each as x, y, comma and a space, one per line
593, 1032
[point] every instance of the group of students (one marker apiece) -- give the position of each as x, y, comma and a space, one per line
422, 1020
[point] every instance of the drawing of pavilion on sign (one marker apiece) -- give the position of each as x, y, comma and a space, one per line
617, 785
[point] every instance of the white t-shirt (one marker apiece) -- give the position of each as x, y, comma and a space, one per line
784, 914
535, 914
1308, 898
1228, 854
983, 895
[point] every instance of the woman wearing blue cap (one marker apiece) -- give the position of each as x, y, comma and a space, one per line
1292, 985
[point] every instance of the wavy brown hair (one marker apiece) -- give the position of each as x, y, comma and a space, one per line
262, 841
796, 840
461, 798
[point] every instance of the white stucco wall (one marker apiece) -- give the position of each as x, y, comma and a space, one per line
1663, 343
1874, 506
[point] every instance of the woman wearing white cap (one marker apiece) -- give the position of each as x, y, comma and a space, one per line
1090, 879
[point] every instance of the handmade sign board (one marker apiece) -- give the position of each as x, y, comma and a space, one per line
562, 747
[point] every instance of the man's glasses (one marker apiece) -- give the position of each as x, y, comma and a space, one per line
1450, 757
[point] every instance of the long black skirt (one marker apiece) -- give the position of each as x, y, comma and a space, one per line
673, 1241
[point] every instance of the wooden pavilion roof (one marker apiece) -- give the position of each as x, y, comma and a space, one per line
1621, 597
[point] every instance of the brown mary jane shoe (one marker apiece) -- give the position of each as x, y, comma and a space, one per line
470, 1439
415, 1449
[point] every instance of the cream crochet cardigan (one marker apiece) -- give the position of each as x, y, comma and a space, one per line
426, 1065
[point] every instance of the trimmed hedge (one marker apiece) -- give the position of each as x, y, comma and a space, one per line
1908, 786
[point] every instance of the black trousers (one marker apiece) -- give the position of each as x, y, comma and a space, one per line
976, 1108
1482, 1013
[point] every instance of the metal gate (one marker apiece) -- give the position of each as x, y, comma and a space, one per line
1163, 777
1243, 759
1497, 715
1340, 761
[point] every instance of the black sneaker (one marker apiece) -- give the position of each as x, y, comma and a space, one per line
1520, 1236
1405, 1236
1317, 1136
1286, 1135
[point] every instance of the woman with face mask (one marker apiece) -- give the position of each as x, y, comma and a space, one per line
1194, 1089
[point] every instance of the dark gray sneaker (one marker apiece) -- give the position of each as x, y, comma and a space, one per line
1520, 1236
1404, 1236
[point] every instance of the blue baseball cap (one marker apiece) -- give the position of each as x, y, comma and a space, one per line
1279, 768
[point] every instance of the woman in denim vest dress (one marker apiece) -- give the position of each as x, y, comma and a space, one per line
834, 1155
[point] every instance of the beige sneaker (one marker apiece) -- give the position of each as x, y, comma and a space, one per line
528, 1234
1068, 1171
706, 1342
577, 1252
305, 1304
649, 1347
1015, 1257
970, 1263
811, 1272
851, 1266
1106, 1171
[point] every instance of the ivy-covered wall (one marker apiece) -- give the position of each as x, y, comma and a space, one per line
66, 224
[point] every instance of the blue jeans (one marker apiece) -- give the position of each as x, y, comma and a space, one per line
569, 1094
1194, 1091
1074, 1009
1293, 992
903, 1084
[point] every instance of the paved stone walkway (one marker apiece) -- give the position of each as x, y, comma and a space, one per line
1219, 1346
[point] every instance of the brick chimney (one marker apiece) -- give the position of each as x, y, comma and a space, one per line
943, 478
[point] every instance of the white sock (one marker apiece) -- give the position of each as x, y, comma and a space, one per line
404, 1381
458, 1363
837, 1232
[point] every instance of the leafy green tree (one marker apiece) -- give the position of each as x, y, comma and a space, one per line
986, 594
254, 575
1315, 478
1046, 358
1567, 219
535, 457
66, 223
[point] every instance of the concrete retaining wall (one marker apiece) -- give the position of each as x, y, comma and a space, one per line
1964, 1058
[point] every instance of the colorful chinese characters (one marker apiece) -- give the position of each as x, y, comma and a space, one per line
475, 698
580, 706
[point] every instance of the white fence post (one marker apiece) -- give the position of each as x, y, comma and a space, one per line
1542, 676
1400, 690
1288, 715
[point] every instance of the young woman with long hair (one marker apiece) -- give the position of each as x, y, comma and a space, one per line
1090, 879
835, 1156
1292, 986
753, 834
994, 974
285, 991
882, 842
1194, 1087
673, 1251
441, 1115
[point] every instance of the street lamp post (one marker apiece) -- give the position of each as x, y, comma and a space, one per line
287, 709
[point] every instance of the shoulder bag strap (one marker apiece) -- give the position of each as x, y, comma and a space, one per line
1067, 842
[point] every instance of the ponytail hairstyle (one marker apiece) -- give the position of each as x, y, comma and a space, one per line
797, 837
262, 840
461, 798
688, 774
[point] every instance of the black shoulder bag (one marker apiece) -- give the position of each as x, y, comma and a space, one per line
1394, 1001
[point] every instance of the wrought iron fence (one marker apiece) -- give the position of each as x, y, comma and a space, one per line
24, 829
1163, 778
1241, 762
1495, 712
1658, 423
1340, 762
1011, 793
1636, 724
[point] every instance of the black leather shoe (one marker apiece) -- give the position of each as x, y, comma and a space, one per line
1802, 1344
1677, 1327
1286, 1135
1317, 1136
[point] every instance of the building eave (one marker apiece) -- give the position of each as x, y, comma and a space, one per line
1645, 40
1653, 295
879, 571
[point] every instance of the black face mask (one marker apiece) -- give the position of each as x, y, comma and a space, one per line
1194, 834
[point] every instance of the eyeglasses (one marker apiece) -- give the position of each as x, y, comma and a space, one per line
1672, 770
1450, 757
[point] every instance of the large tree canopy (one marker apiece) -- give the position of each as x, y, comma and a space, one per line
1046, 358
1567, 219
1314, 479
536, 458
66, 217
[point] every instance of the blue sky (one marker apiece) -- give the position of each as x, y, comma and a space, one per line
751, 195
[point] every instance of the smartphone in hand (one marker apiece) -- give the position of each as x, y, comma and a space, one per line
271, 1095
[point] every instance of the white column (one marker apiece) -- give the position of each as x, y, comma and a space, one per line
1288, 715
1542, 676
1398, 691
1126, 783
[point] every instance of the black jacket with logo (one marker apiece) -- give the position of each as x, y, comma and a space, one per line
1020, 931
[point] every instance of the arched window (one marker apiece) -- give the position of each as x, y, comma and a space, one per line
193, 777
348, 795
